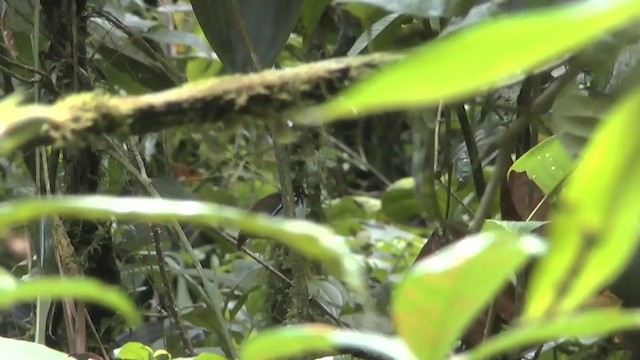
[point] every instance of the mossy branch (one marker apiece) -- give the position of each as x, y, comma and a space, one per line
225, 100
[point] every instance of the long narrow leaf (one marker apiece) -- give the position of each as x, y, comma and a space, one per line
595, 231
591, 324
313, 240
296, 341
13, 292
482, 57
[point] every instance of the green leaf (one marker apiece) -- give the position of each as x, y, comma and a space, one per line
575, 115
315, 241
399, 201
14, 130
13, 292
594, 232
135, 351
209, 357
25, 350
444, 293
199, 69
312, 11
594, 323
547, 164
479, 58
161, 355
428, 8
128, 64
387, 23
296, 341
518, 227
267, 25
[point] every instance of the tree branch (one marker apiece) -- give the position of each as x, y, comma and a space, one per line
227, 100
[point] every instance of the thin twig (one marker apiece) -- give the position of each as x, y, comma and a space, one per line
171, 305
359, 159
280, 276
214, 298
472, 150
540, 105
138, 42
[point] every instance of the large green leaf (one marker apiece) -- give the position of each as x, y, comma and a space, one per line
594, 323
266, 24
25, 350
444, 293
595, 231
297, 341
547, 164
479, 58
313, 240
13, 292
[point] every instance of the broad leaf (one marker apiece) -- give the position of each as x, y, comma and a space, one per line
297, 341
25, 350
479, 58
236, 29
595, 231
443, 294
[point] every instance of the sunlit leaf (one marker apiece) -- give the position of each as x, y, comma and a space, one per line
296, 341
546, 164
161, 355
594, 323
209, 357
135, 351
595, 231
14, 292
518, 227
310, 239
479, 58
444, 293
25, 350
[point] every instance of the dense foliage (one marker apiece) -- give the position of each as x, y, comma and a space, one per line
468, 170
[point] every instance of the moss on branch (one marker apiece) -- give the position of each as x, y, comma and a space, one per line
228, 100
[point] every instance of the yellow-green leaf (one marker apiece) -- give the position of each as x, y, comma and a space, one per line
480, 58
594, 232
445, 292
313, 240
